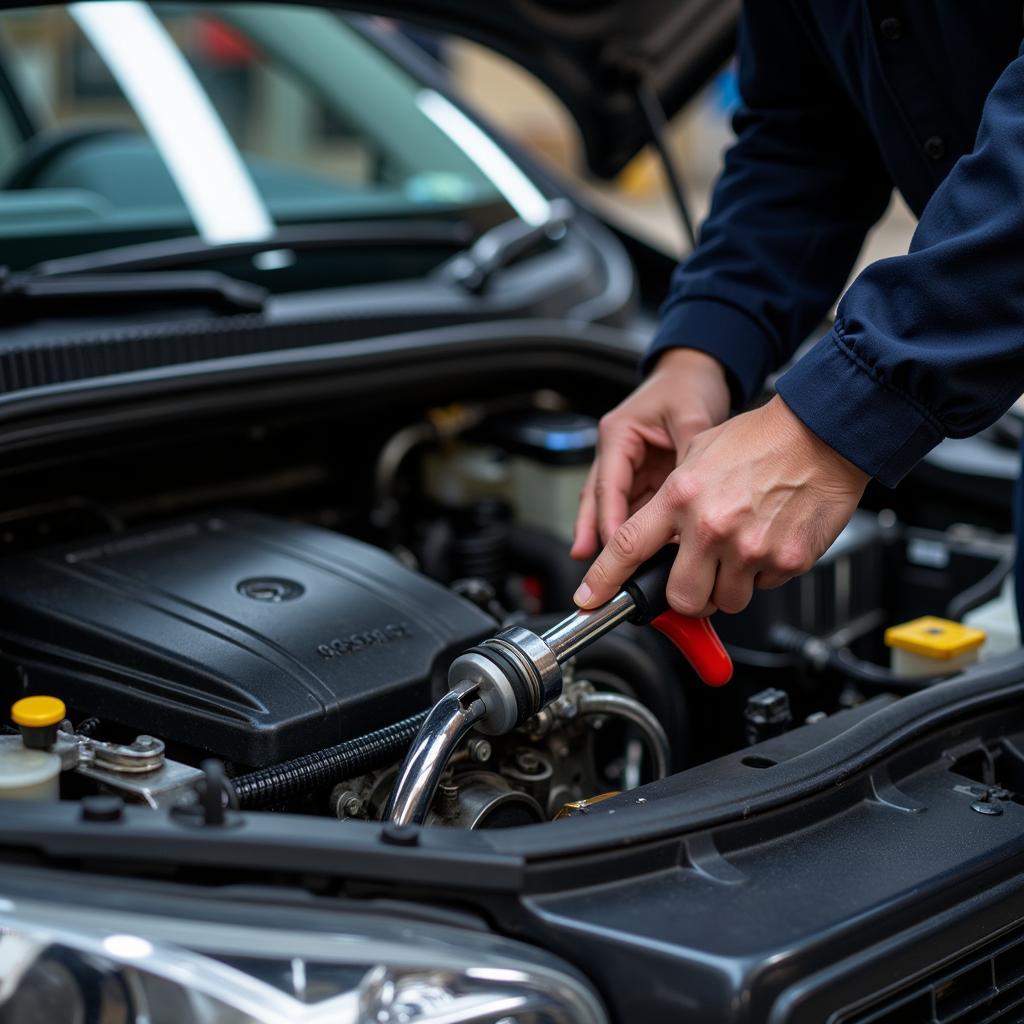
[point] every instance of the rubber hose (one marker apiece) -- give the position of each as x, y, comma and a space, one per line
390, 460
289, 779
540, 554
986, 589
819, 654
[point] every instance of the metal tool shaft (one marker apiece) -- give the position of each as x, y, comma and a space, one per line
574, 633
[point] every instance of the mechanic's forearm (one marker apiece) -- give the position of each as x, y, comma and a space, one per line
799, 190
931, 344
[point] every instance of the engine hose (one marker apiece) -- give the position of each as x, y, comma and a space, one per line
389, 462
632, 711
986, 589
820, 655
647, 676
479, 545
289, 779
541, 554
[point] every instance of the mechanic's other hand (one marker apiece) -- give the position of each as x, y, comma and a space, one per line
753, 503
642, 440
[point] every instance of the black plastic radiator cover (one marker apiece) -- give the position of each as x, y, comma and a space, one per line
251, 638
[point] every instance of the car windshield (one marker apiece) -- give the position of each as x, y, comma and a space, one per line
124, 123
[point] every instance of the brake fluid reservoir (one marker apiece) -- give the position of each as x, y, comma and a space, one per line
27, 774
461, 474
930, 646
549, 456
29, 769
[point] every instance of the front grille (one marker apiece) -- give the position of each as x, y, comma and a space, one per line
983, 986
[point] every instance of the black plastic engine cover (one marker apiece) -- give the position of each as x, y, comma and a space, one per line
249, 637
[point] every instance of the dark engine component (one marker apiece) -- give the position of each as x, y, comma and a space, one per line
248, 637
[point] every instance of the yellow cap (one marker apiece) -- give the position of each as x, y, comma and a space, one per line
38, 712
933, 637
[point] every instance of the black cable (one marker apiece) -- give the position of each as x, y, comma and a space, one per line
650, 107
280, 782
821, 655
985, 590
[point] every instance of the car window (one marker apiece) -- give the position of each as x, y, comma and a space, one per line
307, 119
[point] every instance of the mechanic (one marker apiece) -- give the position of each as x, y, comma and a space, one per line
841, 101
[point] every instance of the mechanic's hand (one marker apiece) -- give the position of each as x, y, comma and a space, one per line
753, 503
642, 440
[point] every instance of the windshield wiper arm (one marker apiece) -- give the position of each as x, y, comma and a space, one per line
502, 245
171, 253
31, 296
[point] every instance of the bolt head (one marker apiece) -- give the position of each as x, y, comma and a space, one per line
102, 808
480, 751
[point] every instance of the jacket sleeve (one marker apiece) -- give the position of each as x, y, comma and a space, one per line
801, 186
931, 344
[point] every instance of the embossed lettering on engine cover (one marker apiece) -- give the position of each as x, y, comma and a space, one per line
360, 641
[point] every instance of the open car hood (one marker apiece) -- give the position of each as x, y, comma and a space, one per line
594, 54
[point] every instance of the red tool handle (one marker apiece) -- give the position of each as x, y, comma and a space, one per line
696, 638
699, 644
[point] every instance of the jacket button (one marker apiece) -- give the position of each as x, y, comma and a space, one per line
891, 28
935, 147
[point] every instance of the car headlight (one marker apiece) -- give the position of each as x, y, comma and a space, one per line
80, 966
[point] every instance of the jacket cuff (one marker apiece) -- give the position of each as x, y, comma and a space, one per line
720, 330
838, 395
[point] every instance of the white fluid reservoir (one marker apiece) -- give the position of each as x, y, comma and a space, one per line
27, 774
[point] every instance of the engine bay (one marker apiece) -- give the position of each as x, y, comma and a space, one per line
252, 644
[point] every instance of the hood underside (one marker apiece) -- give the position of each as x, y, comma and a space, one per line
595, 55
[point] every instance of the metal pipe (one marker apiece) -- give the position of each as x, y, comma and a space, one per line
394, 453
634, 712
448, 722
571, 635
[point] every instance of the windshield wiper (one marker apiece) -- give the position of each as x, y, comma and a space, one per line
502, 245
171, 253
31, 296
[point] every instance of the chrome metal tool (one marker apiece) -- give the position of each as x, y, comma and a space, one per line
501, 683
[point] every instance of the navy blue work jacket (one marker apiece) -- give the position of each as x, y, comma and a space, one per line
841, 101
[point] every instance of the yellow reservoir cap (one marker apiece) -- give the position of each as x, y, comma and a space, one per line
932, 637
38, 712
